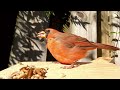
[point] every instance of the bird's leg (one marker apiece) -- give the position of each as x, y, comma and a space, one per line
73, 65
56, 62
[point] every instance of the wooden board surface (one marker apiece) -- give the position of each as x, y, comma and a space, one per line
97, 69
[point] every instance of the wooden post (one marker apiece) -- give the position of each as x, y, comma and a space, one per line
99, 51
105, 31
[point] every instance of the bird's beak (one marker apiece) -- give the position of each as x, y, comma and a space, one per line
41, 35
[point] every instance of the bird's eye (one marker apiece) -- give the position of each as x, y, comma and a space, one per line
47, 31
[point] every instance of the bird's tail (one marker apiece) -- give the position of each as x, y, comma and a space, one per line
104, 46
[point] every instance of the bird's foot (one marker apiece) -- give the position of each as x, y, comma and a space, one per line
56, 62
70, 66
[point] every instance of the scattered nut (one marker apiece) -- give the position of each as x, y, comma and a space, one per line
29, 72
40, 71
22, 75
63, 75
24, 69
40, 77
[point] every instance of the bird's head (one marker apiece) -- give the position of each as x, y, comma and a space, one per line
46, 32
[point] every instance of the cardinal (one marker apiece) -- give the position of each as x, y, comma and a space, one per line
68, 48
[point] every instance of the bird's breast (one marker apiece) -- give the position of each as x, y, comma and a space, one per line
63, 53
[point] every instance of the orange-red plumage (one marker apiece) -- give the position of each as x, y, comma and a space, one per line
68, 48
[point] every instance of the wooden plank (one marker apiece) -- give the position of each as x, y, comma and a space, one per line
97, 69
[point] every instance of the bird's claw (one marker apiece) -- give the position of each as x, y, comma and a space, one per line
69, 67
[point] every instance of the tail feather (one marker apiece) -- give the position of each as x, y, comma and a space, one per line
104, 46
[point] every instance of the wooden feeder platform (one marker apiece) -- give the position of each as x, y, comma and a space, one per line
101, 68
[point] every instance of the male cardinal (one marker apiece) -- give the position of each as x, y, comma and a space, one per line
68, 48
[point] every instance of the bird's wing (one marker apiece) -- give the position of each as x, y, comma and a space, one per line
84, 43
73, 40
